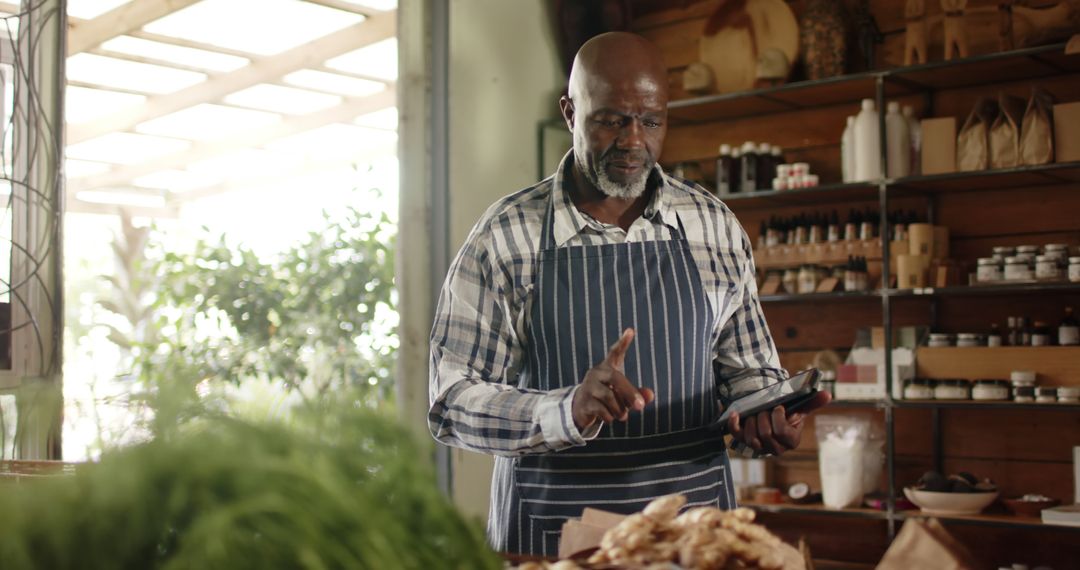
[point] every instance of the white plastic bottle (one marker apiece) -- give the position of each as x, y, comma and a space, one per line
867, 143
915, 131
898, 142
847, 151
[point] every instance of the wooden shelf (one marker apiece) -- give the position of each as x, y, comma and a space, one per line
816, 509
1030, 63
1054, 173
987, 519
972, 405
802, 297
1023, 177
825, 193
1019, 288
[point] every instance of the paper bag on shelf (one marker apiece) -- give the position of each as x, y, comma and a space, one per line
926, 544
1037, 131
1005, 132
972, 144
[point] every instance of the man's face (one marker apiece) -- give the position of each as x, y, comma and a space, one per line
619, 129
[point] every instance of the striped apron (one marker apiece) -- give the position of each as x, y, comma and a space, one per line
584, 297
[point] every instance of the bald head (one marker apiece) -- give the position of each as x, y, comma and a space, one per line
616, 58
617, 109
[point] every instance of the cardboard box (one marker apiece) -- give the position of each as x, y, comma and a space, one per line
938, 145
1067, 132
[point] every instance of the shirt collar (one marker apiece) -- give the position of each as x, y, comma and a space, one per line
569, 220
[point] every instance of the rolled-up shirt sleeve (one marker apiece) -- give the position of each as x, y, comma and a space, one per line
745, 357
476, 356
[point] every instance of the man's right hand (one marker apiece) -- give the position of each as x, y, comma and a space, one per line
605, 392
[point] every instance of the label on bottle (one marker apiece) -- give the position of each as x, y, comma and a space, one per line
1040, 339
1068, 335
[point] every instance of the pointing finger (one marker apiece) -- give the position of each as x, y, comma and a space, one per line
617, 354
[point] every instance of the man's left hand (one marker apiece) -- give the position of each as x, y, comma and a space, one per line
774, 431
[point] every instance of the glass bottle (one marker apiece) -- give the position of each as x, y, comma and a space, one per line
1069, 329
1040, 334
994, 338
724, 168
748, 167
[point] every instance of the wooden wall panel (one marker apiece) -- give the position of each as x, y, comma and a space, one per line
995, 547
831, 537
1056, 365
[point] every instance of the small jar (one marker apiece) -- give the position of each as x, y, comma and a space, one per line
791, 280
919, 389
940, 340
986, 390
954, 389
989, 270
1068, 394
783, 171
1047, 267
800, 169
1022, 377
1058, 252
1029, 251
811, 180
1017, 268
1003, 251
1023, 394
969, 340
779, 183
808, 279
1074, 269
1045, 395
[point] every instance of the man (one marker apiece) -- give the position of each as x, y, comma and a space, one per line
592, 326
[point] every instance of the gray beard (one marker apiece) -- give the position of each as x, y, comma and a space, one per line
632, 190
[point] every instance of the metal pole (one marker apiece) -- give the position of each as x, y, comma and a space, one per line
439, 11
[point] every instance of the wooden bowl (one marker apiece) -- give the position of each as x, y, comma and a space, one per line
1028, 508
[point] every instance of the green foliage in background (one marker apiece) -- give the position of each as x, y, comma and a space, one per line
318, 318
340, 487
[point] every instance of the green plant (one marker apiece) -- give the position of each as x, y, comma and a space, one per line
318, 318
340, 487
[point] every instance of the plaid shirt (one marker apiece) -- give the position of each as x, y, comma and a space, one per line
479, 339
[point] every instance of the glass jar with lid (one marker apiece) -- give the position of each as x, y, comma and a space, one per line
1023, 394
1003, 251
1017, 268
969, 340
986, 390
919, 389
1074, 269
1048, 268
1059, 252
791, 280
989, 270
808, 278
1068, 394
1046, 395
940, 340
1028, 251
952, 389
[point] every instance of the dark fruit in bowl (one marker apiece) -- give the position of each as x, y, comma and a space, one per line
933, 481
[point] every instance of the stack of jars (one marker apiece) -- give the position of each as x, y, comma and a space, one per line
1027, 263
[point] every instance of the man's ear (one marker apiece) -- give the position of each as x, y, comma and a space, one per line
567, 108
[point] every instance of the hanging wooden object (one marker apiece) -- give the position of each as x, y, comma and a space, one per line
736, 35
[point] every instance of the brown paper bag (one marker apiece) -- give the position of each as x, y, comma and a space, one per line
972, 144
926, 545
1005, 132
1037, 131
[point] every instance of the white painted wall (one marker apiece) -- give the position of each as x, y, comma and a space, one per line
505, 78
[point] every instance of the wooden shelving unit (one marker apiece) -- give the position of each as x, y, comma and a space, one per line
1033, 204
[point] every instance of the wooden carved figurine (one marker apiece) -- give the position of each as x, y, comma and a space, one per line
915, 33
956, 44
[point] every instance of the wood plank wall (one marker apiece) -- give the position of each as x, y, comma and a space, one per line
1023, 451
